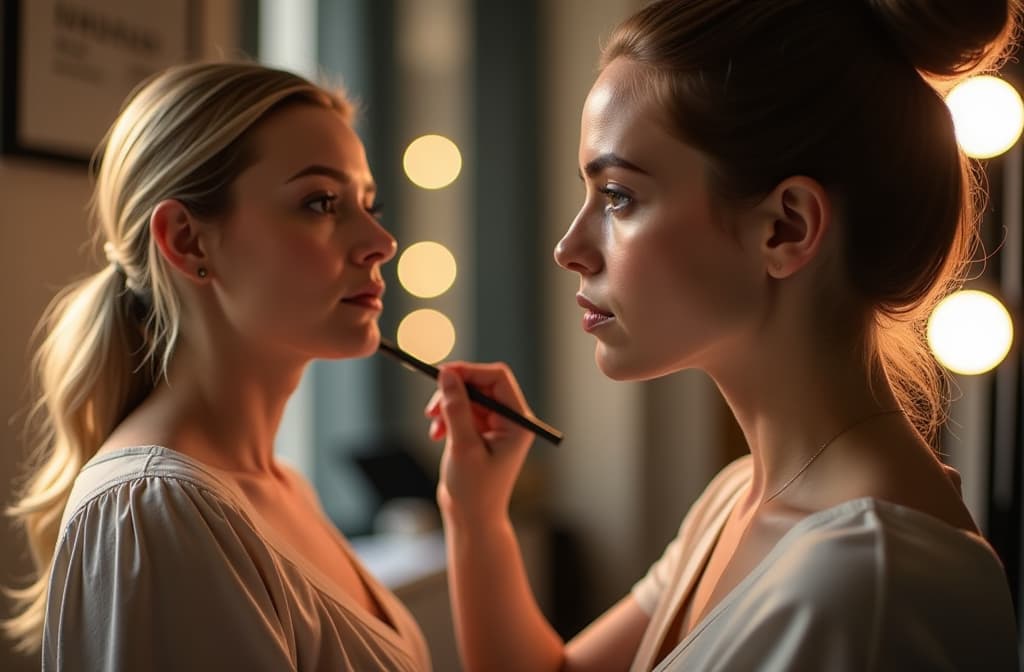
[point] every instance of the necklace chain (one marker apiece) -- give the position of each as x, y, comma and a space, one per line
825, 445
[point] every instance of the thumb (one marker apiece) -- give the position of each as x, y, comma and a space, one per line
455, 409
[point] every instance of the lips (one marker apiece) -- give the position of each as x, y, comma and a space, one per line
368, 296
365, 301
594, 316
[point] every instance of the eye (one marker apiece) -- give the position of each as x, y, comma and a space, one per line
615, 200
376, 209
322, 204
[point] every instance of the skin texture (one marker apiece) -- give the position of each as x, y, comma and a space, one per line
292, 273
300, 238
648, 247
283, 268
671, 277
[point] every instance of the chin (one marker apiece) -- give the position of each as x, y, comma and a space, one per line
621, 366
369, 343
354, 345
617, 369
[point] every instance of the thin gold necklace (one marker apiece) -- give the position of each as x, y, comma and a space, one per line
825, 445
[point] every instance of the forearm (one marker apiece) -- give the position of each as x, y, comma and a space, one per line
498, 623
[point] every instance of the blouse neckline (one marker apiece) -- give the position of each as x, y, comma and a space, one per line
237, 498
809, 522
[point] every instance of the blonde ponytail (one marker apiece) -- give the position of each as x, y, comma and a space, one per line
106, 339
88, 375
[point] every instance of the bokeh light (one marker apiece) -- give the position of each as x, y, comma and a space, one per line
970, 332
432, 161
426, 334
426, 269
988, 115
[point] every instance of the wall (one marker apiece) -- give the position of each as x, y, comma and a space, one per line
43, 246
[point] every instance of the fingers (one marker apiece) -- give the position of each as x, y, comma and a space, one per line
463, 423
433, 407
495, 380
433, 410
455, 410
437, 429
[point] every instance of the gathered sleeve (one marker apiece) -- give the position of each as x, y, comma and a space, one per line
159, 573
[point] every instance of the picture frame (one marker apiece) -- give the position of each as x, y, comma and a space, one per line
68, 65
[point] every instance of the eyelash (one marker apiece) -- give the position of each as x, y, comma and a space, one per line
328, 200
616, 200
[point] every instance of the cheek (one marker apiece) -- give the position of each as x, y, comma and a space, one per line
686, 281
272, 253
309, 257
652, 268
272, 274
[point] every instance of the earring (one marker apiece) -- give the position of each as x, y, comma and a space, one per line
201, 272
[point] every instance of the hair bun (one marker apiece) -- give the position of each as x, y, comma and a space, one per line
951, 37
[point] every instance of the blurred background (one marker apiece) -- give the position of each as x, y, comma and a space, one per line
470, 115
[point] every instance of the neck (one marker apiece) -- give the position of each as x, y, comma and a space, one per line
224, 405
793, 390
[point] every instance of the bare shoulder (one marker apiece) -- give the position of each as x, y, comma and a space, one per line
295, 481
899, 469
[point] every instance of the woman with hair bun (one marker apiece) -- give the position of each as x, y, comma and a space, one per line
775, 196
239, 221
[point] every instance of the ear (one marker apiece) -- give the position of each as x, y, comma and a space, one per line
798, 215
179, 237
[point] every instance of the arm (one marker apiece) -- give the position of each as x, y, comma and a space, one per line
498, 623
610, 642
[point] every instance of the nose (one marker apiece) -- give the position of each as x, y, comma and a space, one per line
576, 250
377, 245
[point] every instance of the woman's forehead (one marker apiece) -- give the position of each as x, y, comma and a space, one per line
617, 120
299, 136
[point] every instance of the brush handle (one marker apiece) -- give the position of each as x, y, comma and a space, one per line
538, 427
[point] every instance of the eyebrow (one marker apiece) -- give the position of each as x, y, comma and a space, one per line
609, 160
318, 169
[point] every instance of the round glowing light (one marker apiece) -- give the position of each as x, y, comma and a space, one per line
426, 269
427, 334
970, 332
988, 115
432, 161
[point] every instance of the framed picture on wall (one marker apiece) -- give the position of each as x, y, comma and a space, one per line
68, 65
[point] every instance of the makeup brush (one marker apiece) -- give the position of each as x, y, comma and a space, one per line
538, 427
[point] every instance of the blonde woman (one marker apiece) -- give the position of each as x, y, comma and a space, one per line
237, 213
773, 195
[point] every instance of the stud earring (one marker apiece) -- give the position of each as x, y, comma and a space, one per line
201, 272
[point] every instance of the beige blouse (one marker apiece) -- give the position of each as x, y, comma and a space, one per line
865, 585
161, 565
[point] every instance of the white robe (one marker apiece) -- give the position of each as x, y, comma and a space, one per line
161, 565
865, 585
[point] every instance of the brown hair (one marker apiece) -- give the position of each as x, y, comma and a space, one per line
848, 92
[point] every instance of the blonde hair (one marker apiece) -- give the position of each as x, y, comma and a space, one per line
106, 339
